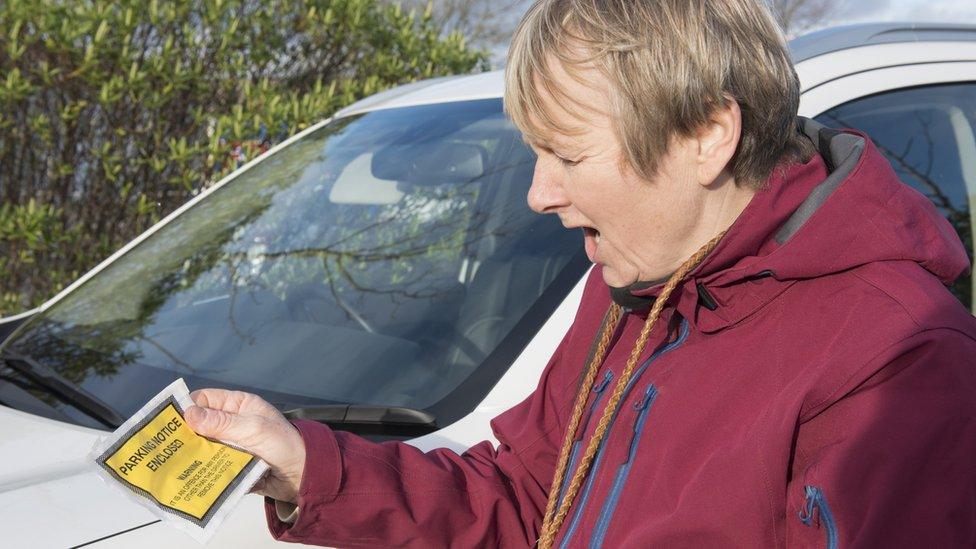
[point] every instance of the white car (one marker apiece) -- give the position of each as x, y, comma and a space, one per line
381, 272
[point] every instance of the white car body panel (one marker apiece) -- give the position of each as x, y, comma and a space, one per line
48, 489
823, 68
50, 496
840, 90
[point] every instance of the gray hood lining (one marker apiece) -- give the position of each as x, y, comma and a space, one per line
841, 152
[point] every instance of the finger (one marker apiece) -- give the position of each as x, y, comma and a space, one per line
258, 487
219, 424
219, 399
235, 402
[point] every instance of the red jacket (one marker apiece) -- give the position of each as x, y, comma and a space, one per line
811, 384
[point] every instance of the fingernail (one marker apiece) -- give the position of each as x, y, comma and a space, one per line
194, 415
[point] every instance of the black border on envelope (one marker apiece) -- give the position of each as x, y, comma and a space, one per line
201, 522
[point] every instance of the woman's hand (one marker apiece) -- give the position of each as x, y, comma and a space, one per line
248, 421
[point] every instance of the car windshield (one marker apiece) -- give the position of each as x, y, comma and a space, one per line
385, 258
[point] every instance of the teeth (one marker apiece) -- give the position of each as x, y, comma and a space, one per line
590, 231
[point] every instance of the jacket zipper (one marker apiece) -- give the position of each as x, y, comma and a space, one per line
816, 499
598, 389
609, 506
598, 460
574, 451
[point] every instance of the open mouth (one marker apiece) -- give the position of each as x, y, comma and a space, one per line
591, 242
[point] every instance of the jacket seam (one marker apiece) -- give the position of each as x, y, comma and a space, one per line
820, 405
770, 496
903, 307
375, 459
817, 407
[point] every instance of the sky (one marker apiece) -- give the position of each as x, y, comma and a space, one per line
956, 11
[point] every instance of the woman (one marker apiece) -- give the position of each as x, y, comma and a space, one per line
766, 353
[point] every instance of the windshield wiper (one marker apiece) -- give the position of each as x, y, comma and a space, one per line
369, 419
53, 383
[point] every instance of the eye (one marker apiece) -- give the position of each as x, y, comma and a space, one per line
567, 162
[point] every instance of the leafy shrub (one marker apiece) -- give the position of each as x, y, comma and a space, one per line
112, 114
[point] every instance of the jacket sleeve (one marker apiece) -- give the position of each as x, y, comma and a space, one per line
891, 463
355, 493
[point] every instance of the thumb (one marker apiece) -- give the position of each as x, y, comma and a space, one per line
216, 424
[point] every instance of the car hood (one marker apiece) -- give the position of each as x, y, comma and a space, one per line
50, 491
52, 496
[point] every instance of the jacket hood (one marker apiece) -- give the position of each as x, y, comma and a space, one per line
843, 208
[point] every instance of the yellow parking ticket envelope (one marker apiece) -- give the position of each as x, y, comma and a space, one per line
170, 468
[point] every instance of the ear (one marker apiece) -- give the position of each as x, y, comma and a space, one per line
717, 141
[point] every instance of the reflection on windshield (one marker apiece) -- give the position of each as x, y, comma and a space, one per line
380, 259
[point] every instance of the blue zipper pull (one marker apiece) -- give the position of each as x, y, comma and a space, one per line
598, 388
816, 500
806, 515
649, 395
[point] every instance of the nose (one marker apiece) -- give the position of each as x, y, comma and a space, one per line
547, 194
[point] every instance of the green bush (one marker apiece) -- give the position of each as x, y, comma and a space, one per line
112, 114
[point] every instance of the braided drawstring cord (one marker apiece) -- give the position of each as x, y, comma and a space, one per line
554, 516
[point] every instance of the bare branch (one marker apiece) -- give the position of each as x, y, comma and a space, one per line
796, 16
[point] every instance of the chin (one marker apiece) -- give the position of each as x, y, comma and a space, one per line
616, 279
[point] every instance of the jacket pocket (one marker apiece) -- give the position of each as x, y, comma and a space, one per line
599, 389
816, 502
643, 407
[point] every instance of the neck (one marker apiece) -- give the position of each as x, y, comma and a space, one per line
723, 204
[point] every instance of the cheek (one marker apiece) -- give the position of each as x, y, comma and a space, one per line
668, 205
601, 189
647, 226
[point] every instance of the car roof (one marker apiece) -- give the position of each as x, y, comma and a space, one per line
491, 84
845, 37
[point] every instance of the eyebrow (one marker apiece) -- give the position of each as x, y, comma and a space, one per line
552, 138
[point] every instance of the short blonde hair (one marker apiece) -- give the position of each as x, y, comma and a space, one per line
670, 63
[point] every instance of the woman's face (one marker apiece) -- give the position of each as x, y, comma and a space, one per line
637, 229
